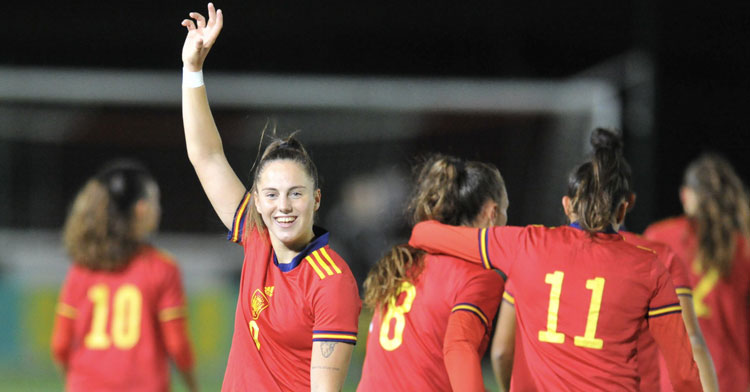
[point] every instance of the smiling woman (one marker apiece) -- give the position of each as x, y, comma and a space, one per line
298, 299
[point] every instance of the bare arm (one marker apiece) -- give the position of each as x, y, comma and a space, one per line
329, 365
503, 345
702, 357
205, 151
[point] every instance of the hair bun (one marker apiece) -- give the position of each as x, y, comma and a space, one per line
608, 139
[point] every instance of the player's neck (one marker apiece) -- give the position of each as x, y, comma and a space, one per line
285, 253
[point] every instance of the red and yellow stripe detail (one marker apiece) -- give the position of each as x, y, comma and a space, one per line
170, 314
473, 309
66, 310
686, 291
483, 249
334, 336
509, 298
322, 263
664, 310
239, 219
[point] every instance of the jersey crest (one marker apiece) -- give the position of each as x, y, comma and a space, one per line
258, 303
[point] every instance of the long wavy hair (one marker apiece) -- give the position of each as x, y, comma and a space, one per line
449, 190
100, 231
598, 186
723, 210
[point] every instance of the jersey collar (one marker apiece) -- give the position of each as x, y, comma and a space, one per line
320, 240
608, 230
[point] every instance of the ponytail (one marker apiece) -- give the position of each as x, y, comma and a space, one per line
597, 187
448, 190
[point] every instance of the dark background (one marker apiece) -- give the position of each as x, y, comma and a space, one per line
699, 51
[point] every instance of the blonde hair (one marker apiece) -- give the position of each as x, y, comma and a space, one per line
100, 230
723, 210
448, 190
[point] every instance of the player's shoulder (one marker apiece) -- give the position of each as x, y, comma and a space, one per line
325, 265
158, 257
666, 226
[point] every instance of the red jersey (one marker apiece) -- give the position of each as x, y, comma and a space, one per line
405, 343
283, 308
581, 299
720, 302
117, 343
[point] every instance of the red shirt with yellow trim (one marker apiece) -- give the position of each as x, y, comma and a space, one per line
117, 343
283, 308
648, 352
405, 342
720, 303
581, 298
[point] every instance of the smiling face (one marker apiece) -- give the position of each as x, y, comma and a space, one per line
286, 199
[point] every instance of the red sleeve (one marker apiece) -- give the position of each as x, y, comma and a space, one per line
457, 241
237, 232
62, 339
177, 343
336, 305
66, 313
670, 334
481, 296
668, 329
678, 271
171, 301
464, 338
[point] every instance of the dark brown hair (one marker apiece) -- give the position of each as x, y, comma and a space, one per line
279, 149
597, 187
721, 213
448, 190
99, 231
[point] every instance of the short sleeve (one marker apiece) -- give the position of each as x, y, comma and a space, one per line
678, 271
664, 300
66, 304
237, 232
336, 306
481, 296
509, 296
171, 301
499, 246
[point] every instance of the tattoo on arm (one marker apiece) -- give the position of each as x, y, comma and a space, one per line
326, 348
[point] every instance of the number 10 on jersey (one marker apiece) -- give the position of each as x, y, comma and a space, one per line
588, 340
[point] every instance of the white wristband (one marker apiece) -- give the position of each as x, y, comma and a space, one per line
192, 79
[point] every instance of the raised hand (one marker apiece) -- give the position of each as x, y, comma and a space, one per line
200, 37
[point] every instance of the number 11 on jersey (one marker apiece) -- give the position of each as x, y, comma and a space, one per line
589, 339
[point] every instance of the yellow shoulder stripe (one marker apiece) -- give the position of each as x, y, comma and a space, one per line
322, 265
645, 248
315, 267
330, 260
66, 310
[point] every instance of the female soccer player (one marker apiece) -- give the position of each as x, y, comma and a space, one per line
121, 311
581, 292
433, 314
712, 239
503, 343
298, 299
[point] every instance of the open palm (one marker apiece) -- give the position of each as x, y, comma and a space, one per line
201, 37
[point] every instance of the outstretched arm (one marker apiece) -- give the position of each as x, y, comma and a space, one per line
205, 151
437, 238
